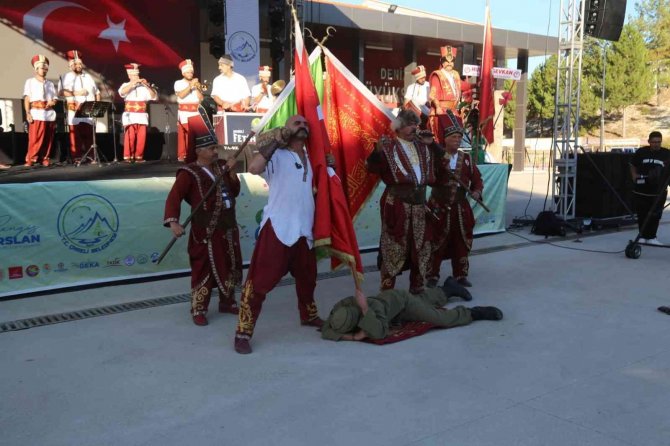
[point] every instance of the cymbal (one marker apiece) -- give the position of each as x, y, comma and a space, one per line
277, 87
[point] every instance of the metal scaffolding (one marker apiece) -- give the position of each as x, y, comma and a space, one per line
566, 112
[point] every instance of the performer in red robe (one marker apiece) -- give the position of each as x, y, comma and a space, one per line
214, 240
406, 165
445, 92
453, 220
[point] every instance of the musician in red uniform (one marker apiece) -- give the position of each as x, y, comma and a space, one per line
137, 93
445, 92
39, 98
452, 220
214, 240
189, 95
406, 165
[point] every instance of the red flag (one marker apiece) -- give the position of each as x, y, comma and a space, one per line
356, 120
486, 105
110, 33
333, 225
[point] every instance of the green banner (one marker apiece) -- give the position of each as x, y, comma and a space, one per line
61, 234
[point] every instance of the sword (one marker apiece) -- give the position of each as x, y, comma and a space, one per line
209, 192
467, 190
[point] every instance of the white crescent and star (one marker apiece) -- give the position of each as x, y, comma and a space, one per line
33, 22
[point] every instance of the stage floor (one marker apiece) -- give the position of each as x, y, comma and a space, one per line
89, 172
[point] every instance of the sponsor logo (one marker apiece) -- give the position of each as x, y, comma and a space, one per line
88, 223
14, 234
142, 259
2, 274
60, 267
242, 46
46, 268
154, 257
32, 270
89, 264
129, 261
15, 272
113, 262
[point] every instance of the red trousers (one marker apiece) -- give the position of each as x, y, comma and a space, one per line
133, 141
270, 262
81, 139
454, 243
40, 139
185, 144
217, 262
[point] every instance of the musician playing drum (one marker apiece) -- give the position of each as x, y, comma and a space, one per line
230, 90
416, 96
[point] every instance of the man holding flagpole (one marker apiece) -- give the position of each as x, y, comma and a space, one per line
406, 165
286, 240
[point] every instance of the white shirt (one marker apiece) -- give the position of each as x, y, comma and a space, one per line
291, 201
74, 82
266, 101
418, 94
231, 89
191, 98
413, 155
40, 91
140, 93
453, 159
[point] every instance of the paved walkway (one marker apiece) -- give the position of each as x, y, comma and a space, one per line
581, 358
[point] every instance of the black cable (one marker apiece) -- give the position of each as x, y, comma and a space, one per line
532, 181
544, 242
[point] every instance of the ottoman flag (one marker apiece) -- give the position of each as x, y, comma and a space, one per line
333, 225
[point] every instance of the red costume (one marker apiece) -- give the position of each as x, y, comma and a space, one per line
136, 93
188, 107
445, 92
453, 220
403, 243
214, 240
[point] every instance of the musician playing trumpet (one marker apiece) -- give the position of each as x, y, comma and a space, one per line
230, 90
261, 94
137, 92
189, 95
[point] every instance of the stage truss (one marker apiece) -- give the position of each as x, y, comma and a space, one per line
566, 111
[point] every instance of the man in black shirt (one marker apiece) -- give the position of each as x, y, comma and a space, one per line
649, 169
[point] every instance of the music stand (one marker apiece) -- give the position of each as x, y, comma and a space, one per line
95, 110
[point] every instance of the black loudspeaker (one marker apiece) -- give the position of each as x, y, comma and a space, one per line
603, 19
595, 198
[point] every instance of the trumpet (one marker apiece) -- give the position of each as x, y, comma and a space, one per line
202, 87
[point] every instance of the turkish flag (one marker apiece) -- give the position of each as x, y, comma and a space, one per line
333, 225
111, 33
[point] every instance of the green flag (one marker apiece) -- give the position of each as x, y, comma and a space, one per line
285, 106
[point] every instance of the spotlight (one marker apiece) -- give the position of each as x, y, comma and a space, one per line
392, 8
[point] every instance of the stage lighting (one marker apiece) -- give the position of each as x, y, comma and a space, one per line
392, 8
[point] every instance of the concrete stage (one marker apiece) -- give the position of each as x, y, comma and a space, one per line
581, 358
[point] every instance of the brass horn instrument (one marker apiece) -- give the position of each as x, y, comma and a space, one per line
203, 87
277, 87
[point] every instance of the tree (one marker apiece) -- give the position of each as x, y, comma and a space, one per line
510, 106
542, 90
629, 78
653, 22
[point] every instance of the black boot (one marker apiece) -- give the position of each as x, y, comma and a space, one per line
452, 288
486, 314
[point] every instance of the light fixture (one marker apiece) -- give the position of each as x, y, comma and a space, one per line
392, 8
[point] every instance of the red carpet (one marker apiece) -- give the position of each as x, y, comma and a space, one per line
406, 331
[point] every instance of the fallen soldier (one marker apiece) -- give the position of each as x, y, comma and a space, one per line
360, 317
